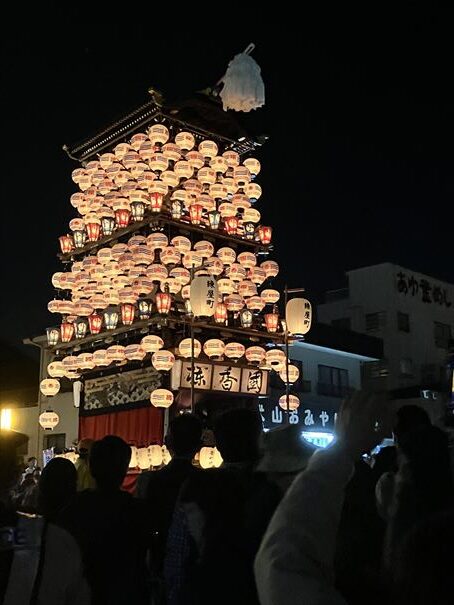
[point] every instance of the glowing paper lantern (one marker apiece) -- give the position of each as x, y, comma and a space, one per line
170, 256
265, 234
95, 323
122, 216
134, 352
232, 158
255, 354
185, 141
227, 210
145, 307
49, 387
226, 286
276, 359
257, 275
192, 259
157, 273
66, 331
219, 164
163, 302
247, 288
241, 176
127, 313
161, 398
220, 313
206, 249
255, 303
116, 353
151, 343
66, 243
253, 191
234, 350
155, 455
214, 265
163, 360
56, 369
208, 149
231, 225
111, 319
298, 315
185, 348
85, 361
246, 318
293, 374
195, 159
203, 296
195, 213
181, 243
80, 328
227, 255
253, 166
293, 402
214, 218
176, 209
158, 134
234, 302
48, 420
214, 348
247, 260
100, 358
236, 272
270, 296
272, 321
270, 267
171, 152
181, 275
157, 241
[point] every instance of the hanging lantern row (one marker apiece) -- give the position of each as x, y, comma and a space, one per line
206, 186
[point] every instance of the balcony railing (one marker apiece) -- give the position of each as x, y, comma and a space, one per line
333, 390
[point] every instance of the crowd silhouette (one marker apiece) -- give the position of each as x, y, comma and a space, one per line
278, 522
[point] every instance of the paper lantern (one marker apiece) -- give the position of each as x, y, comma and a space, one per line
186, 292
66, 331
116, 353
171, 152
236, 272
95, 323
176, 209
157, 241
163, 360
203, 296
127, 313
208, 149
48, 420
170, 256
142, 285
163, 302
293, 402
134, 352
293, 374
265, 234
247, 260
219, 164
241, 176
143, 458
206, 457
49, 387
253, 166
226, 286
122, 216
100, 358
234, 350
161, 398
145, 307
234, 302
185, 141
85, 361
270, 296
214, 348
181, 275
151, 343
257, 275
204, 248
137, 140
195, 159
185, 348
231, 157
66, 243
227, 255
214, 218
181, 243
275, 358
220, 313
249, 230
247, 288
133, 460
155, 455
56, 369
246, 318
214, 265
255, 303
298, 315
171, 285
195, 213
231, 225
157, 273
53, 335
227, 210
272, 321
255, 354
253, 191
218, 191
192, 259
240, 202
158, 134
80, 328
270, 267
111, 319
137, 210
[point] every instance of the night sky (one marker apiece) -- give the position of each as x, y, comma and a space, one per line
359, 111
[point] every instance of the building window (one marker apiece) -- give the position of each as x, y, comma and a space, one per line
375, 321
406, 367
332, 381
403, 322
343, 323
442, 334
56, 440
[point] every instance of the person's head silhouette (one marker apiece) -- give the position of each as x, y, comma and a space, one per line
184, 437
109, 460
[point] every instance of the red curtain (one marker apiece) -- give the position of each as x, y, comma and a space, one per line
139, 427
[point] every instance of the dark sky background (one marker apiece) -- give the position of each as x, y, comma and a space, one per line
359, 110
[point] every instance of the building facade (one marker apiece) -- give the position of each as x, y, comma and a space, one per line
413, 314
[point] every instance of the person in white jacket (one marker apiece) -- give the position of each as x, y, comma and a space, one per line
294, 565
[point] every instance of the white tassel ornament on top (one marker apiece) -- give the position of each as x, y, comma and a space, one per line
243, 88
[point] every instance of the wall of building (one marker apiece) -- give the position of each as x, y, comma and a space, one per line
391, 289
